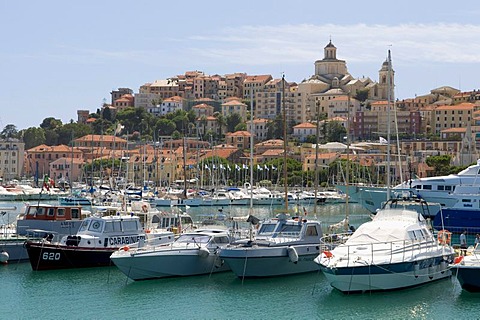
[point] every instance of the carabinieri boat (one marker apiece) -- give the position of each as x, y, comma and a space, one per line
96, 239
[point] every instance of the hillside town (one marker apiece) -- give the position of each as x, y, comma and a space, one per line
200, 128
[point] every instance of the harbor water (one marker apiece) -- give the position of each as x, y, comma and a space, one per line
106, 293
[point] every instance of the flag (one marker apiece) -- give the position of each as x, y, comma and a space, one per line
273, 168
118, 129
259, 168
214, 167
228, 167
237, 167
222, 166
245, 166
206, 167
383, 140
266, 168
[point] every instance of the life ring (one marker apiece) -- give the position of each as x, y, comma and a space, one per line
444, 237
145, 208
126, 248
328, 254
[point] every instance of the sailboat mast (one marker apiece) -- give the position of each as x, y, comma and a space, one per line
284, 144
389, 100
317, 133
252, 130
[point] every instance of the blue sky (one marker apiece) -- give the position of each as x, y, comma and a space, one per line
60, 56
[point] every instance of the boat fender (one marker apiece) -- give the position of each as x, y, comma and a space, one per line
4, 256
292, 254
125, 248
328, 254
145, 208
458, 260
203, 252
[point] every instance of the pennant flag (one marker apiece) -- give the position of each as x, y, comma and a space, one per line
266, 167
273, 168
228, 167
206, 167
214, 167
222, 166
245, 166
237, 167
259, 168
383, 140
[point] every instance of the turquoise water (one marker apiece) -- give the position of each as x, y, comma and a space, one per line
106, 293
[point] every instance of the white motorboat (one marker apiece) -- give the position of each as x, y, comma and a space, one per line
282, 246
192, 253
432, 189
393, 251
467, 270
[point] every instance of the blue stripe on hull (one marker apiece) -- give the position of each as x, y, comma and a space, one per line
401, 267
457, 220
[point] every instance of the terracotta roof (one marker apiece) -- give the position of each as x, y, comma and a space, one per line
305, 125
461, 106
239, 133
453, 130
222, 153
99, 137
273, 152
202, 106
258, 78
234, 103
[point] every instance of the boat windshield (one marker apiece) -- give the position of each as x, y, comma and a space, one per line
193, 238
267, 228
289, 230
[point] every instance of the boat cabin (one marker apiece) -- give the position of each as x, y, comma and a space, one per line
51, 212
290, 228
172, 221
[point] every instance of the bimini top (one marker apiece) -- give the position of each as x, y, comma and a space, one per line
390, 225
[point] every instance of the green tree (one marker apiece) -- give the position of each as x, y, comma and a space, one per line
107, 115
72, 130
362, 95
241, 127
51, 137
221, 122
101, 126
164, 127
233, 120
440, 164
50, 123
335, 131
33, 137
10, 131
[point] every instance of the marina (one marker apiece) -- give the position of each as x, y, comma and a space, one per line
109, 293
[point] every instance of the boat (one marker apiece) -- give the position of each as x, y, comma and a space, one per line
395, 250
192, 253
467, 270
96, 239
464, 214
436, 189
282, 246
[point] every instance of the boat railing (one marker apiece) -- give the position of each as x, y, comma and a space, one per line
387, 252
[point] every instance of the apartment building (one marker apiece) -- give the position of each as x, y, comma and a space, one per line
11, 158
234, 106
453, 116
39, 158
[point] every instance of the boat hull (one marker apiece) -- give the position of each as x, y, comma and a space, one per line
15, 249
469, 277
384, 277
45, 256
171, 263
258, 262
458, 220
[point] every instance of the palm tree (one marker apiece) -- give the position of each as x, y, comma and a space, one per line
221, 121
203, 122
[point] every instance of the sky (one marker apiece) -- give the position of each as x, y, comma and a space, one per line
57, 57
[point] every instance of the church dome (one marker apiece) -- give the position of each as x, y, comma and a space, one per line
330, 45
